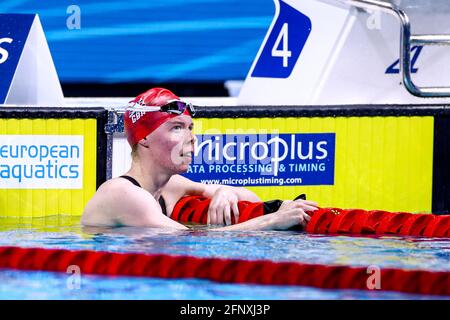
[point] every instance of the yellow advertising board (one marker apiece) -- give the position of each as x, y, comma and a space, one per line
47, 166
383, 162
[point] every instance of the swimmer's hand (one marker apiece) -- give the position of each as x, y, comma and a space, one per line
280, 220
287, 218
307, 206
224, 202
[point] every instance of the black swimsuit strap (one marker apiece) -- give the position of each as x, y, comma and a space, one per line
161, 200
162, 203
132, 180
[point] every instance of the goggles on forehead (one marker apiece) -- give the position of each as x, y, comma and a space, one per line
174, 106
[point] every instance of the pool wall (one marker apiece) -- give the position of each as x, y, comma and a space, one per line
386, 157
381, 157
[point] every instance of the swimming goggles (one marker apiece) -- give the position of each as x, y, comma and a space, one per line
174, 106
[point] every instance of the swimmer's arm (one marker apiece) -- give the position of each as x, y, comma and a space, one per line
256, 224
129, 206
147, 218
276, 221
280, 220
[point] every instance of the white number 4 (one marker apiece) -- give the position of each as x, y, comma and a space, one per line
284, 52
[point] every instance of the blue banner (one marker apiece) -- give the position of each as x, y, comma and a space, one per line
14, 29
264, 159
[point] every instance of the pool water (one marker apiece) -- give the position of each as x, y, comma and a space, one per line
395, 252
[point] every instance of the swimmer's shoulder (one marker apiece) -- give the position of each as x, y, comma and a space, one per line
114, 200
116, 185
121, 192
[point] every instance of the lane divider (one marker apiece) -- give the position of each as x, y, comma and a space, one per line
223, 270
194, 209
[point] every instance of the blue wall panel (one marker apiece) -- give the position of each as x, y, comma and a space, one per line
153, 40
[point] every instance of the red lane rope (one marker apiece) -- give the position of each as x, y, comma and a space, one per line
224, 270
331, 220
338, 221
194, 209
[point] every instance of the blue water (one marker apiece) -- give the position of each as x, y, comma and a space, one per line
396, 252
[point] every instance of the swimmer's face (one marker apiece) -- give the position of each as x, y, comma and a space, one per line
172, 144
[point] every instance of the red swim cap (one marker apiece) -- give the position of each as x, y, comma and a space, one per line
139, 124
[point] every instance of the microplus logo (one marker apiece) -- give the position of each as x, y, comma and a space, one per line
41, 162
264, 159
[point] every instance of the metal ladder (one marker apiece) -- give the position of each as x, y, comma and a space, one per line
406, 41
